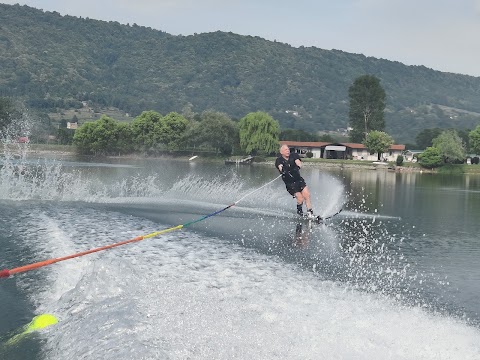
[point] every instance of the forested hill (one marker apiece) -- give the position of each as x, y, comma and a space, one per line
51, 60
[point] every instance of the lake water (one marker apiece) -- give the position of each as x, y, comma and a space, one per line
394, 276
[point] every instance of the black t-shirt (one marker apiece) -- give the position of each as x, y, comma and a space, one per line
291, 170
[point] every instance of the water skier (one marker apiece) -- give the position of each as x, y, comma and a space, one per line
289, 166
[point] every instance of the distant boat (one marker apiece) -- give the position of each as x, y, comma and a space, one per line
193, 157
245, 161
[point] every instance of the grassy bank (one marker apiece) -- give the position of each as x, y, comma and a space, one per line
459, 169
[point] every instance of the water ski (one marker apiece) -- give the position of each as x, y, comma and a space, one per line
311, 218
317, 218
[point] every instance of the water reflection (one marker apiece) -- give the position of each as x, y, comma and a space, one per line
302, 233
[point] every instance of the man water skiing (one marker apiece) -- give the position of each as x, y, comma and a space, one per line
289, 166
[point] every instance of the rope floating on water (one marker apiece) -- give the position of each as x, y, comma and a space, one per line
8, 272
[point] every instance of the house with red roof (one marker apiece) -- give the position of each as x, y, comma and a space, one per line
327, 150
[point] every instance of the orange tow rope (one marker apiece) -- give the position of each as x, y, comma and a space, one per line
7, 272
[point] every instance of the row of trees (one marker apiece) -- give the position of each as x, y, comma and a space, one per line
366, 115
425, 138
256, 132
449, 148
446, 148
153, 133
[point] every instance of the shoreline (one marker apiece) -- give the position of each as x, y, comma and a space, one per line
49, 153
367, 166
64, 151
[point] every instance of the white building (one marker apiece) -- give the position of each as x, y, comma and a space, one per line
353, 151
412, 155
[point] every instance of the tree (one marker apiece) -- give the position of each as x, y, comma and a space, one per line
259, 133
399, 160
143, 130
425, 137
218, 131
102, 137
84, 138
65, 136
378, 142
474, 137
450, 146
367, 105
124, 140
152, 132
464, 136
171, 131
430, 158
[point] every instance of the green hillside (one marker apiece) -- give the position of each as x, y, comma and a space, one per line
54, 62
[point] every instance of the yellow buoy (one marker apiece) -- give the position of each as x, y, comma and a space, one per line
40, 322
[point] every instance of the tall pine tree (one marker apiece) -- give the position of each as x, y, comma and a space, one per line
367, 105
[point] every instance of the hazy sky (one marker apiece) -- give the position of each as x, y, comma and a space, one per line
440, 34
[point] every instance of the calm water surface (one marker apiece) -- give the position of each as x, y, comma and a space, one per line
393, 276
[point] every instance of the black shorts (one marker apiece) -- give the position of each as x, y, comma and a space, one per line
296, 186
